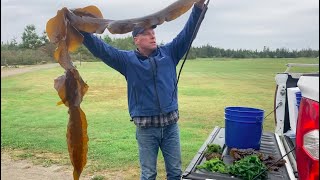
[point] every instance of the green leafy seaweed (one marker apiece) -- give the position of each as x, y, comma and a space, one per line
213, 148
248, 167
214, 165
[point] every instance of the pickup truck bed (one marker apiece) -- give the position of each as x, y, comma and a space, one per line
269, 146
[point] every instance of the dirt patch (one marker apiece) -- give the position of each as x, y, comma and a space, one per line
15, 168
25, 170
5, 72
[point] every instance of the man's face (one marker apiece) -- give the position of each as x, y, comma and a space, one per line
146, 40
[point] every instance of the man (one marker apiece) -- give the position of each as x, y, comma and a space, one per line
151, 77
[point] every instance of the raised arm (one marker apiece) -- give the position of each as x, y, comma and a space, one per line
179, 45
117, 59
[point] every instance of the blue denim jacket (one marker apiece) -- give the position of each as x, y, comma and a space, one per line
150, 80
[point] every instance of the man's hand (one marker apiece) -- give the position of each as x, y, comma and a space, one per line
200, 4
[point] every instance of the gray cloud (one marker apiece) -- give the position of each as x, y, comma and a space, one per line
246, 24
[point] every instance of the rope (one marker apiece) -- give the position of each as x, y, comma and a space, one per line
205, 8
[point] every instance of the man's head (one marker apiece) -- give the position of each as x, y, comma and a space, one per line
144, 38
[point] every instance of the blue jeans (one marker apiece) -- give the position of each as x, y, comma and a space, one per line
168, 140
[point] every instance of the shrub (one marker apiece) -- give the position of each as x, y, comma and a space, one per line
24, 57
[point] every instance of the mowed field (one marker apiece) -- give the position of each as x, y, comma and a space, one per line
34, 127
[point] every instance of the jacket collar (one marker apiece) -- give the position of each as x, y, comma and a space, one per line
142, 57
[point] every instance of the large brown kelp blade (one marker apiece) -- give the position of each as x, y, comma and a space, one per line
71, 89
167, 14
56, 27
65, 36
71, 93
65, 26
77, 140
91, 11
77, 137
89, 19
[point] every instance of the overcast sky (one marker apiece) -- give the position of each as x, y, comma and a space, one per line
229, 24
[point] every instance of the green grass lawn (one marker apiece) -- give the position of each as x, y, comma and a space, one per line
32, 123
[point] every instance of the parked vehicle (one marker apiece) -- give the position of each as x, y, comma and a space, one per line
296, 136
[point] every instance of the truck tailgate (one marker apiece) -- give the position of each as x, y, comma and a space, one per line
268, 146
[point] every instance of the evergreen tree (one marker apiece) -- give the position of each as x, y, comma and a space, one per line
30, 39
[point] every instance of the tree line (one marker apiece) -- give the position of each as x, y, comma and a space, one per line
35, 49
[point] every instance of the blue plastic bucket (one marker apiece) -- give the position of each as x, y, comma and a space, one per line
243, 127
243, 111
245, 119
